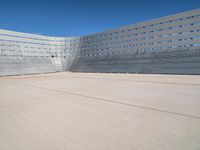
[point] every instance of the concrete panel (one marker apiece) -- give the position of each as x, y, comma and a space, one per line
100, 112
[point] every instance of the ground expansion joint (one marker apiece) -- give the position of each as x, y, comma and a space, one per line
114, 102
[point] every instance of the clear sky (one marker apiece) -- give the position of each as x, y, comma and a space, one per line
82, 17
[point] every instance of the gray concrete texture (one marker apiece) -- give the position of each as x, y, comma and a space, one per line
100, 112
166, 45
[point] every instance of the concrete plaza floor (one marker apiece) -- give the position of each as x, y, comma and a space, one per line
81, 111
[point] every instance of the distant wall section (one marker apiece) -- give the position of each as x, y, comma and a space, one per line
22, 53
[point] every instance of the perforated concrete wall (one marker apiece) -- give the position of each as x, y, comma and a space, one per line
167, 45
22, 53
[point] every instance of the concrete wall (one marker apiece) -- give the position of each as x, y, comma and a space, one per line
22, 53
166, 45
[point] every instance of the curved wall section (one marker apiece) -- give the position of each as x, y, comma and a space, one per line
166, 45
22, 53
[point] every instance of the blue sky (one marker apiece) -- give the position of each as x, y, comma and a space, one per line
82, 17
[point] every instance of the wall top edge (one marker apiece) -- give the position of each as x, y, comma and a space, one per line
176, 15
30, 35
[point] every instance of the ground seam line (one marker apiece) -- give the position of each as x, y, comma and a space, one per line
116, 102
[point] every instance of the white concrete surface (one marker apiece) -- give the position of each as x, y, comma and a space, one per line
74, 111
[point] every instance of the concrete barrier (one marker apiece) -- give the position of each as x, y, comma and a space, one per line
166, 45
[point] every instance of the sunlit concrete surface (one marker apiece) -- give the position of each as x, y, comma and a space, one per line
75, 111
